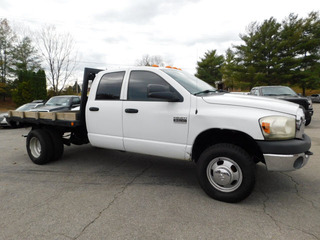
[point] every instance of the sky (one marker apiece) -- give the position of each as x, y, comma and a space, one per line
117, 33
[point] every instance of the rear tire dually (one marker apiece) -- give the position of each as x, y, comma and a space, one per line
40, 146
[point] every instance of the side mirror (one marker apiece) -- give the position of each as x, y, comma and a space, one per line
162, 92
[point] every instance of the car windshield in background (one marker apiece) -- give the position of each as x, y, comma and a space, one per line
58, 101
191, 83
278, 91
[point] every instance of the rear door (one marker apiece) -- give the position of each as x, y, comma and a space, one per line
104, 112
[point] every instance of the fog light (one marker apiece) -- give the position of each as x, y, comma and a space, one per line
298, 163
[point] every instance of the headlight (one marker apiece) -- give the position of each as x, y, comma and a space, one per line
278, 127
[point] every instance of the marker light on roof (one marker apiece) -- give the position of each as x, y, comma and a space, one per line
168, 67
154, 65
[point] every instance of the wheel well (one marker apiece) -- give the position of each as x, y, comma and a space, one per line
214, 136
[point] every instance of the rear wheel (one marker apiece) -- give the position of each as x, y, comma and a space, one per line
40, 146
226, 172
57, 142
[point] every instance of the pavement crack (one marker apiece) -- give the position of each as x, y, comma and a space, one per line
268, 214
296, 184
277, 222
115, 197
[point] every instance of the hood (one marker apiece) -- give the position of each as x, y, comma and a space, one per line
253, 102
2, 115
50, 109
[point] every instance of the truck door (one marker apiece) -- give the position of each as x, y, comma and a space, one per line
104, 112
154, 126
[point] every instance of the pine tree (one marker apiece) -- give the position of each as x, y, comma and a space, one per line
209, 68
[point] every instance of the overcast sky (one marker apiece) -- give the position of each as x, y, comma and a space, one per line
111, 34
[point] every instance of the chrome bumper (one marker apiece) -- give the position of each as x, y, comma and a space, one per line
288, 162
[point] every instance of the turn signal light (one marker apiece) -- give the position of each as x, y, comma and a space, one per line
266, 127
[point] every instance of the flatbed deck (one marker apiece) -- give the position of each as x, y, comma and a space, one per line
66, 119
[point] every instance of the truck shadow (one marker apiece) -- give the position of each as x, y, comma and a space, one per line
103, 164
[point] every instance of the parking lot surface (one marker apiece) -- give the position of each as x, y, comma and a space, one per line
102, 194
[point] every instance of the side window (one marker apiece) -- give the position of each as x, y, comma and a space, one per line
138, 85
110, 86
254, 92
76, 100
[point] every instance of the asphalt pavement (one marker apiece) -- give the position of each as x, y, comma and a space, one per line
104, 194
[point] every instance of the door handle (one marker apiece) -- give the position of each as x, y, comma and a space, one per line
131, 110
94, 109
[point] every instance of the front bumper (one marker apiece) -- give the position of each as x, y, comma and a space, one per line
288, 155
308, 113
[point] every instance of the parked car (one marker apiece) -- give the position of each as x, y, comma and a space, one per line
315, 98
60, 103
24, 108
287, 94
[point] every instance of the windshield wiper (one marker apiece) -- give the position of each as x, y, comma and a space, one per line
205, 91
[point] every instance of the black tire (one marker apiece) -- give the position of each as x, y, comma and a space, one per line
226, 172
57, 142
308, 121
40, 146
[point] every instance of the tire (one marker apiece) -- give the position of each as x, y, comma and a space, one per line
308, 121
226, 172
40, 146
57, 142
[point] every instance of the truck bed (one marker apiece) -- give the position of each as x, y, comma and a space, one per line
66, 119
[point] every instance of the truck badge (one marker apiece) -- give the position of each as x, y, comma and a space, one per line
179, 119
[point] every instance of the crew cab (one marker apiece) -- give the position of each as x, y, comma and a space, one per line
170, 113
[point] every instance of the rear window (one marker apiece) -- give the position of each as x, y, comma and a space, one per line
110, 86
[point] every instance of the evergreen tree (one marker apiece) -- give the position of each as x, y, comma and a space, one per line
29, 86
25, 56
257, 59
209, 68
284, 53
228, 70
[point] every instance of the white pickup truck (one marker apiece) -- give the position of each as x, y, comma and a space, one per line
169, 113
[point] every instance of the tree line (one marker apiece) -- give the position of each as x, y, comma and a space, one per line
29, 64
271, 53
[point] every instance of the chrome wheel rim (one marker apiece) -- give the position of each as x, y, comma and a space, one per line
35, 147
224, 174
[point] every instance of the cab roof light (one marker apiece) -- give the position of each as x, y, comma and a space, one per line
168, 67
154, 65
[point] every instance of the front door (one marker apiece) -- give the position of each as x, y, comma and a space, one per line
154, 126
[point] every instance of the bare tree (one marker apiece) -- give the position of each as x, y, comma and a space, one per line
148, 60
59, 56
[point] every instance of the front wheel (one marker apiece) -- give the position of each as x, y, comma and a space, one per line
226, 172
308, 121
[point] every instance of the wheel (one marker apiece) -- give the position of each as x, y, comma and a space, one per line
39, 146
308, 121
226, 172
57, 144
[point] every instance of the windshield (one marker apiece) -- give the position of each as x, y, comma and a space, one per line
278, 91
191, 83
58, 101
